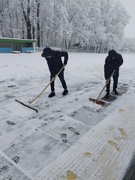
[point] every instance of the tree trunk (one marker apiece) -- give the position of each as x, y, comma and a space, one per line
27, 20
38, 22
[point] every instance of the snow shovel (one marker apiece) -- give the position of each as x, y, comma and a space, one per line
40, 93
97, 101
26, 105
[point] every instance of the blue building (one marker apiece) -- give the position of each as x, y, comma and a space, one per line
10, 45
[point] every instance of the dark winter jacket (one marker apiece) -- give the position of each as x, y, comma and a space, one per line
54, 60
112, 62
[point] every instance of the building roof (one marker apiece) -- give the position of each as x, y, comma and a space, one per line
5, 39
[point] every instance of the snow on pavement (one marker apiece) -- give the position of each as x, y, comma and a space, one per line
31, 143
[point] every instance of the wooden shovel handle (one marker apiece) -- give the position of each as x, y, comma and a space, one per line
47, 85
105, 85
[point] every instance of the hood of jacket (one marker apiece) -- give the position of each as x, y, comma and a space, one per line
112, 53
47, 52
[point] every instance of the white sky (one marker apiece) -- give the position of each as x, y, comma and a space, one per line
129, 6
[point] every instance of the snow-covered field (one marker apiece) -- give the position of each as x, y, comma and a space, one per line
29, 141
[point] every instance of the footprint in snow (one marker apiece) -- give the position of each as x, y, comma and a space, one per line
8, 178
4, 169
63, 137
16, 159
62, 119
73, 130
74, 113
11, 86
10, 123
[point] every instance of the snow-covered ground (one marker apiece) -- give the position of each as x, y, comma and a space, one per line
33, 143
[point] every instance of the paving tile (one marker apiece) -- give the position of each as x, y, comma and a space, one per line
9, 172
87, 115
35, 152
67, 129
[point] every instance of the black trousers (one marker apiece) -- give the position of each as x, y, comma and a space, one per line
62, 80
115, 82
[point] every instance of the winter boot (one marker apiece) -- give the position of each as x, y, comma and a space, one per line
107, 95
65, 92
115, 92
51, 94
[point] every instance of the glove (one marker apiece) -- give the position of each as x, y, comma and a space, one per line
107, 81
42, 55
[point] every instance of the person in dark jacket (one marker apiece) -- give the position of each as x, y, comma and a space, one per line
112, 62
55, 64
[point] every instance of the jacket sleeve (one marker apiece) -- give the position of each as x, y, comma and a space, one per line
107, 72
119, 61
65, 55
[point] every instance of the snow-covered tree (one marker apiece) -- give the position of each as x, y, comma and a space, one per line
115, 18
128, 45
95, 25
